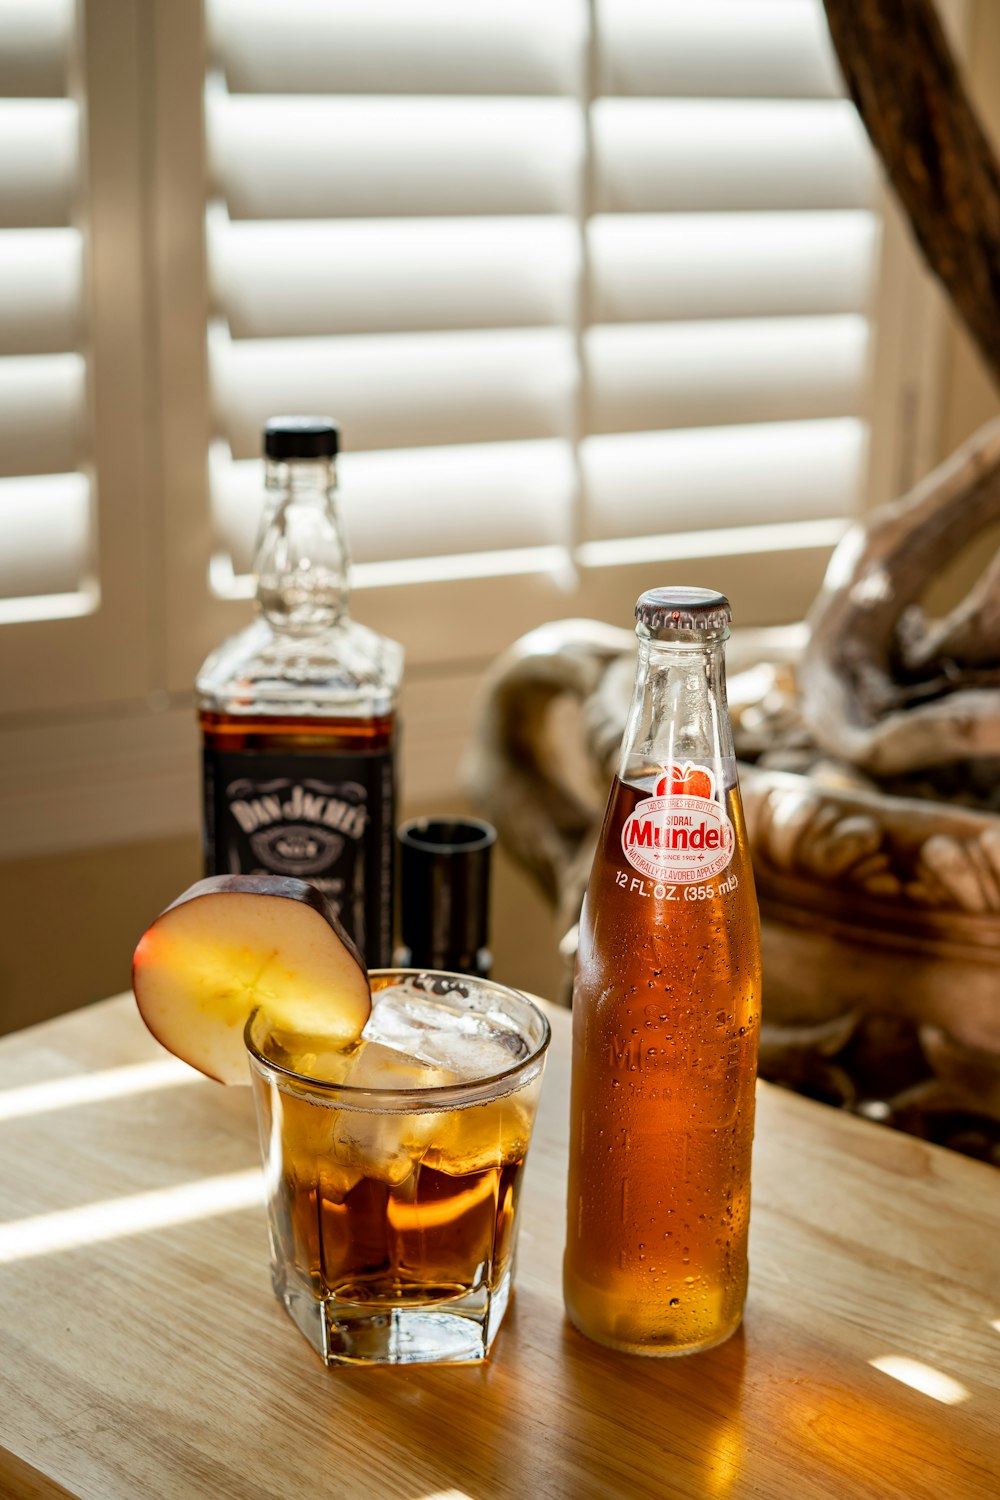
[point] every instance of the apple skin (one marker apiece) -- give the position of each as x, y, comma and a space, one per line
270, 885
232, 944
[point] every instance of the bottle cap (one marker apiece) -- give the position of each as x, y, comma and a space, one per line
301, 437
445, 890
666, 612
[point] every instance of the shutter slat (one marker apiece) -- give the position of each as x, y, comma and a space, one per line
399, 391
650, 267
45, 525
364, 276
395, 240
711, 48
35, 38
396, 47
43, 404
45, 507
690, 155
653, 482
41, 290
38, 162
302, 158
712, 374
432, 501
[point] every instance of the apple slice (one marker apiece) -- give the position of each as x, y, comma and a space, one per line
233, 944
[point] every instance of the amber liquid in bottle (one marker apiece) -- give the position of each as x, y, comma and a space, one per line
314, 798
666, 1015
294, 732
665, 1027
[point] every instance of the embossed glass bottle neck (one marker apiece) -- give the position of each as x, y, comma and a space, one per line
678, 711
301, 562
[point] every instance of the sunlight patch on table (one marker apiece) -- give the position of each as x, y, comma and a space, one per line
724, 1460
995, 1323
92, 1088
69, 1229
921, 1377
447, 1495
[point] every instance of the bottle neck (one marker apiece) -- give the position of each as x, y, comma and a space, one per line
301, 561
678, 711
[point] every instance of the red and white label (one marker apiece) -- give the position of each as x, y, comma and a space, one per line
682, 833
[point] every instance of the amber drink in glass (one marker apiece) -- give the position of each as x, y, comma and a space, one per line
394, 1170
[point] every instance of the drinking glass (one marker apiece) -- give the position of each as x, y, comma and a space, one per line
393, 1178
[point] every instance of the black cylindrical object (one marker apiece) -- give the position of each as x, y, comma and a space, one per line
445, 894
301, 437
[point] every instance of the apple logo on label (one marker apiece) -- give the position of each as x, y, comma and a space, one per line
688, 780
295, 849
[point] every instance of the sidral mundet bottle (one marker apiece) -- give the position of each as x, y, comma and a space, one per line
666, 1011
299, 711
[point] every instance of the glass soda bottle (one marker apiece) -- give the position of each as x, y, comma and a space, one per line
666, 1011
299, 711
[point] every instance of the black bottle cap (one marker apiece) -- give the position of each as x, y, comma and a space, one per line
445, 890
301, 437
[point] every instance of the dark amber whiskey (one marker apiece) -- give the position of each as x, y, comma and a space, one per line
312, 798
296, 733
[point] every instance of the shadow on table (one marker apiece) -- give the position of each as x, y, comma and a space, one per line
551, 1415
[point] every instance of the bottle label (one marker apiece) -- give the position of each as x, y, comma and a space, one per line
682, 833
327, 819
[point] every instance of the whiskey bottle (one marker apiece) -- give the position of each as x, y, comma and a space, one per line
298, 712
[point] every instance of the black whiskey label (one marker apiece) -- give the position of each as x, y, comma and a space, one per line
328, 819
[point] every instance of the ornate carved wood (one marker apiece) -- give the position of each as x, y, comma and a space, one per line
895, 902
881, 686
901, 75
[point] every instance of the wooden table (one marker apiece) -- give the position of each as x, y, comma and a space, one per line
154, 1361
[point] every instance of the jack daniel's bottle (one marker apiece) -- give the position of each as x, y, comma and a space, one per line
298, 711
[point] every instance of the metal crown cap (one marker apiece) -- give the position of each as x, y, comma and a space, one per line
666, 612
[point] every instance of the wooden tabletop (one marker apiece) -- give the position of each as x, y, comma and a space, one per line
142, 1353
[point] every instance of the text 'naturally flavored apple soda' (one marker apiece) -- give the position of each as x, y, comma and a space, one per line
298, 712
666, 1009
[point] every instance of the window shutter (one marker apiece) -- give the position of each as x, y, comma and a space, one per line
570, 276
732, 254
45, 499
395, 240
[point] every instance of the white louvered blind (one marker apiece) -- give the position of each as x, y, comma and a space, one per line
732, 250
45, 492
572, 277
